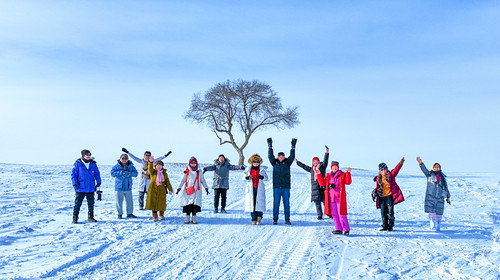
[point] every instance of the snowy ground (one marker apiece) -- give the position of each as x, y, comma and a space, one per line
37, 239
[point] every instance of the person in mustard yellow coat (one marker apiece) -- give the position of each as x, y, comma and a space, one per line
158, 188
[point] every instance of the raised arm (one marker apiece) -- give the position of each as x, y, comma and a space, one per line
270, 155
151, 169
347, 177
291, 158
325, 159
136, 159
396, 169
303, 166
424, 169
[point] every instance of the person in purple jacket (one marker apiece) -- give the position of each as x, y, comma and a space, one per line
85, 178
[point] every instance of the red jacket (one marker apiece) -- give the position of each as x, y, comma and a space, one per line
397, 194
344, 179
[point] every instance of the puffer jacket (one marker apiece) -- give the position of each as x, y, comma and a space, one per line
157, 195
317, 191
436, 192
221, 174
194, 198
397, 194
84, 178
260, 201
123, 178
281, 170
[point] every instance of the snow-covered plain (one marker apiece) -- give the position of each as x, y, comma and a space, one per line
37, 239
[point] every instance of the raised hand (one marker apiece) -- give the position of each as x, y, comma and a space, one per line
167, 154
151, 159
269, 142
327, 149
125, 150
294, 142
349, 170
419, 160
402, 160
295, 160
178, 190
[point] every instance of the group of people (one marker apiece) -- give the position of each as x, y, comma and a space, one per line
328, 190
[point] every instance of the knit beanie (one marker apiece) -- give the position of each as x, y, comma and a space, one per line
193, 159
281, 154
316, 158
85, 152
382, 166
221, 155
335, 163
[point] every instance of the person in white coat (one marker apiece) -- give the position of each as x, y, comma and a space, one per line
255, 194
190, 190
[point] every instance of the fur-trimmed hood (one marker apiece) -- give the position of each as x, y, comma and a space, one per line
92, 159
255, 157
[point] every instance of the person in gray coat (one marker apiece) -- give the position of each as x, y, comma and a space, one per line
145, 178
221, 168
437, 191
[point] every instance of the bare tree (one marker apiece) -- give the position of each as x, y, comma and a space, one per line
239, 105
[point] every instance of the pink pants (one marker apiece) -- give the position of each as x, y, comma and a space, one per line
341, 222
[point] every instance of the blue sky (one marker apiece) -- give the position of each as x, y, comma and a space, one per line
374, 81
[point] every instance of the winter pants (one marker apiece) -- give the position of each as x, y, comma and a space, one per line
255, 214
319, 209
277, 195
341, 222
119, 196
217, 194
79, 196
143, 190
387, 211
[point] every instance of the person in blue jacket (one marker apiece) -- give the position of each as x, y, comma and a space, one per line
123, 172
85, 178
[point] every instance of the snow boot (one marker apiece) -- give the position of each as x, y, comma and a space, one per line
155, 217
320, 217
75, 220
194, 219
119, 217
254, 223
337, 232
438, 224
162, 217
223, 211
346, 233
275, 222
216, 210
389, 229
91, 220
384, 229
259, 220
288, 223
131, 216
187, 221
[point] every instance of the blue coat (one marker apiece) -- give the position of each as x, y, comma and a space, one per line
123, 181
85, 178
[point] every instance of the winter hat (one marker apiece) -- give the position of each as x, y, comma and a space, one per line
193, 159
316, 158
255, 157
281, 154
382, 166
85, 152
335, 163
221, 155
125, 156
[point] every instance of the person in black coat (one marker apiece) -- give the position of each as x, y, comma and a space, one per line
318, 169
281, 180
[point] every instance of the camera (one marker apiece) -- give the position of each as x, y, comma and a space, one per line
99, 195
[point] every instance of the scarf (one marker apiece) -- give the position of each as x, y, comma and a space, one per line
317, 172
441, 179
255, 173
383, 184
160, 178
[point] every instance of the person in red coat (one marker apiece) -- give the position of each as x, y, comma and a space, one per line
335, 197
387, 193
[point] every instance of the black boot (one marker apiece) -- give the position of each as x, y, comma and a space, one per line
337, 232
75, 220
346, 233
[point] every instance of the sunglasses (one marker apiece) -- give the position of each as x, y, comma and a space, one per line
124, 158
89, 154
256, 161
192, 163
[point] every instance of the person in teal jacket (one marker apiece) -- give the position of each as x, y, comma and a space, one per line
86, 178
123, 172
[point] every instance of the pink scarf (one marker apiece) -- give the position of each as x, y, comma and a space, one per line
438, 178
316, 172
160, 178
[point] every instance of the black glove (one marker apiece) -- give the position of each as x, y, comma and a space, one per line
207, 191
167, 154
294, 142
125, 168
75, 187
242, 167
98, 185
374, 196
204, 170
247, 177
270, 142
448, 200
261, 177
125, 150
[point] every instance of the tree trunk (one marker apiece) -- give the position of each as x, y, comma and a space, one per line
242, 157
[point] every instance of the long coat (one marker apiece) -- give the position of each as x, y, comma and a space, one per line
221, 174
281, 170
397, 194
260, 204
194, 198
344, 179
123, 178
85, 178
157, 195
317, 191
436, 192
